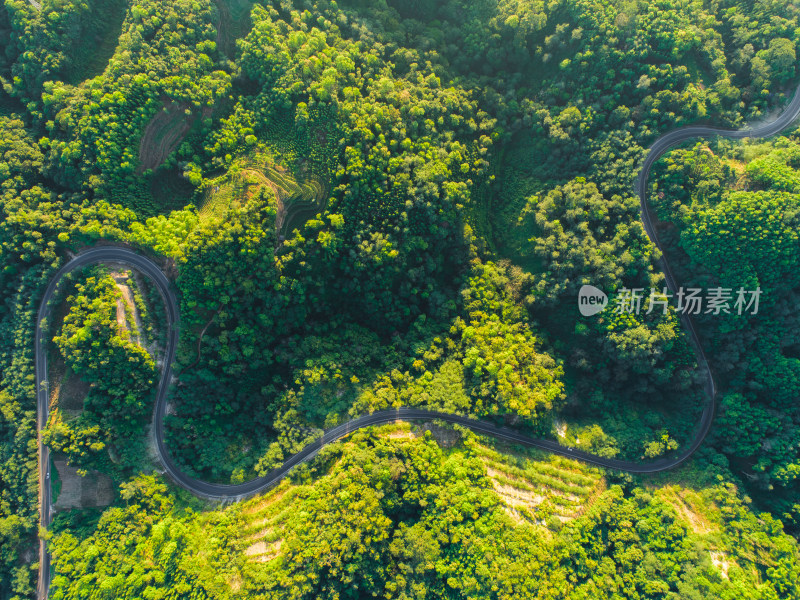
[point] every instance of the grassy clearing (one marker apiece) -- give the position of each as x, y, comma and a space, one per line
55, 482
747, 150
70, 393
689, 491
67, 390
691, 506
298, 201
699, 71
133, 314
76, 491
170, 189
519, 170
219, 196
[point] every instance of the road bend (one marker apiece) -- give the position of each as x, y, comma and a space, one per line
226, 492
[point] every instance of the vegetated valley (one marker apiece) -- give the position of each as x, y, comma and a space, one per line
370, 204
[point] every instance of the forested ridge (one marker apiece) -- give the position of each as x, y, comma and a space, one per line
391, 514
373, 204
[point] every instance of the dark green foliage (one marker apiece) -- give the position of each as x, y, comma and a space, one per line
60, 41
580, 238
464, 166
757, 223
98, 144
229, 279
29, 220
96, 347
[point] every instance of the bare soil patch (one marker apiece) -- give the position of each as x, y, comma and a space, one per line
512, 495
444, 436
691, 511
721, 562
263, 551
402, 435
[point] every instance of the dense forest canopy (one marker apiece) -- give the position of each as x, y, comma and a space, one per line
392, 515
372, 204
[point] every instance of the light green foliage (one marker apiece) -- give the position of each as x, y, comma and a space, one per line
166, 234
145, 546
29, 220
122, 374
398, 517
777, 170
96, 347
761, 228
501, 363
405, 198
499, 368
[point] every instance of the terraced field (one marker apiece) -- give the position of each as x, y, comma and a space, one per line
296, 201
262, 534
536, 487
162, 135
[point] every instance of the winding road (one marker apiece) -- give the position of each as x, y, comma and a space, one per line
233, 492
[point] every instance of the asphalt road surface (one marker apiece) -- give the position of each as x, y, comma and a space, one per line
218, 491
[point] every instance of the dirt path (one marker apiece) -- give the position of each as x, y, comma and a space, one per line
128, 303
